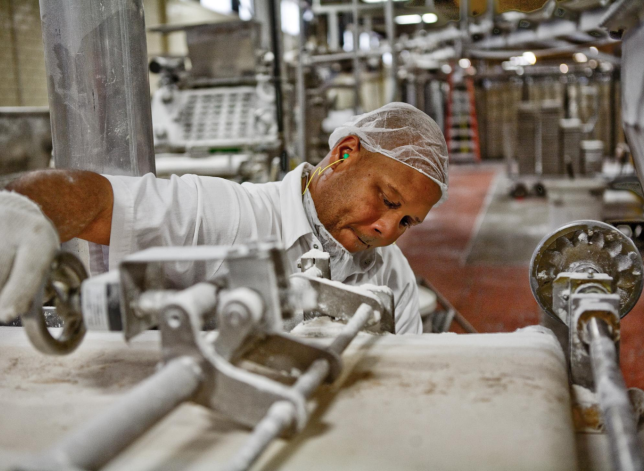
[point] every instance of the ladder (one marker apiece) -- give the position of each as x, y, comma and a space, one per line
461, 127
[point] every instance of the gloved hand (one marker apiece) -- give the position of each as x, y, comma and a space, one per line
28, 244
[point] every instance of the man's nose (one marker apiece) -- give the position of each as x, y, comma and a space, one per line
386, 228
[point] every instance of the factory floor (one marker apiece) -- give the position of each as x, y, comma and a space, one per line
476, 249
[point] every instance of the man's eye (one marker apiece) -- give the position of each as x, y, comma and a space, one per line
391, 205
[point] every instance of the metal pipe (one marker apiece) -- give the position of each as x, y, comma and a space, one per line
273, 13
356, 57
95, 444
392, 93
301, 87
97, 77
281, 414
617, 412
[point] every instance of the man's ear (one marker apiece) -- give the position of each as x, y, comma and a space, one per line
347, 149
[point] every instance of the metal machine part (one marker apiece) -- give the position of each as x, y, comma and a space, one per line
586, 247
201, 121
588, 275
63, 285
625, 19
99, 95
218, 370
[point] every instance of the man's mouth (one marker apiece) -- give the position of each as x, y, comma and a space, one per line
360, 239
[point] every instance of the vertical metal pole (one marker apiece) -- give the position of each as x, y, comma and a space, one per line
15, 56
392, 93
464, 25
334, 31
356, 57
273, 13
301, 87
99, 95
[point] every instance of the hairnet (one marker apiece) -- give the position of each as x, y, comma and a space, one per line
404, 133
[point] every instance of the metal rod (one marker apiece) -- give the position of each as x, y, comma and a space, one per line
356, 57
392, 94
95, 444
281, 414
615, 405
301, 86
273, 13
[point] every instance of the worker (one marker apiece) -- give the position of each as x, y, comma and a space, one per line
386, 169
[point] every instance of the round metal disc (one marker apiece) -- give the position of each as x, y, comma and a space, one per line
584, 246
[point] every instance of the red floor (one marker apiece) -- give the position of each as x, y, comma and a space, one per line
494, 298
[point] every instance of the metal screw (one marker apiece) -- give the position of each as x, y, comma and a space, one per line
174, 320
315, 246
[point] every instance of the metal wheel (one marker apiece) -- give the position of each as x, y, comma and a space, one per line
63, 285
589, 247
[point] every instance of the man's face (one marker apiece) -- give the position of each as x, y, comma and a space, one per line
369, 200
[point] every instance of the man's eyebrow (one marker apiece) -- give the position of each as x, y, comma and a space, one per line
393, 188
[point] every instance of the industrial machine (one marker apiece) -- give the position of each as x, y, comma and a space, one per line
247, 304
217, 118
260, 368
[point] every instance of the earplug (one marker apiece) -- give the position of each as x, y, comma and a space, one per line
345, 156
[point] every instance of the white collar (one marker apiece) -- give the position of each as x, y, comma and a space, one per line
343, 263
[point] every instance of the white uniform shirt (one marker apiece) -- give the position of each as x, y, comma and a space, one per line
193, 210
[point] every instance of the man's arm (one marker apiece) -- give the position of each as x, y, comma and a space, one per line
79, 203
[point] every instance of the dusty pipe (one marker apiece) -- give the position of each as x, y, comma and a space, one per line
92, 446
617, 412
356, 57
301, 86
97, 77
281, 414
392, 94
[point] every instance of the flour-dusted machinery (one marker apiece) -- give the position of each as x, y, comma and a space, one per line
218, 117
244, 350
247, 303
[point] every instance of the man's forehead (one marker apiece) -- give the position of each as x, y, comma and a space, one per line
411, 185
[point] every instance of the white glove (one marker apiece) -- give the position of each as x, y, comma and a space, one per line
28, 244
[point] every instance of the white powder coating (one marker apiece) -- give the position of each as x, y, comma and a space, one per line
447, 402
317, 254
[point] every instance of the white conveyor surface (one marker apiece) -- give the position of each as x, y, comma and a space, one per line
435, 401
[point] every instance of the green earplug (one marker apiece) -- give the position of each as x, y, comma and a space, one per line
345, 156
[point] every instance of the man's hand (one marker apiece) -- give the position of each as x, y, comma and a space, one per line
28, 244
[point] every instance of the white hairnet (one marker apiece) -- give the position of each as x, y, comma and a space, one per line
404, 133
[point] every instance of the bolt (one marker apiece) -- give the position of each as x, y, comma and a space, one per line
299, 265
173, 319
315, 246
565, 296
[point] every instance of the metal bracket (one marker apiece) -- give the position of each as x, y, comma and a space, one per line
243, 396
260, 265
341, 301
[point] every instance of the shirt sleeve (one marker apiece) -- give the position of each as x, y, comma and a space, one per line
180, 211
402, 281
